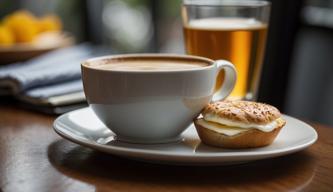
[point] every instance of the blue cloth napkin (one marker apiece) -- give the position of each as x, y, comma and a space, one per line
54, 73
64, 93
50, 83
55, 89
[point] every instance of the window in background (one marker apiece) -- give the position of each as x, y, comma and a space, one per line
310, 90
169, 26
124, 25
142, 26
127, 25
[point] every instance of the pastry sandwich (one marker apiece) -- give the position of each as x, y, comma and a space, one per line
239, 124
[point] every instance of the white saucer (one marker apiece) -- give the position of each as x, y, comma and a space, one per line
84, 128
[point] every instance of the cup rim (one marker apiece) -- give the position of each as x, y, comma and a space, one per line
210, 62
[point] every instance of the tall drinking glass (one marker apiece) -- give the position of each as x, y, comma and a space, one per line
231, 30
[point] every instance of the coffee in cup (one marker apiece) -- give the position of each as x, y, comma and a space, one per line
149, 65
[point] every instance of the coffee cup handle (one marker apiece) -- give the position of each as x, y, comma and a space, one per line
230, 77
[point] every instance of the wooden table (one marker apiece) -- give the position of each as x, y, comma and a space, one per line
34, 158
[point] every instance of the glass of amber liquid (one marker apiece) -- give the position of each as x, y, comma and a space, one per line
231, 30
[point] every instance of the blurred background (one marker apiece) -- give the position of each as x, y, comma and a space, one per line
296, 75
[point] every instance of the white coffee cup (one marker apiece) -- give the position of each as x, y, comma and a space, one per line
152, 105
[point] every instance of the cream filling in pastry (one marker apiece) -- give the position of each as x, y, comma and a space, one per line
262, 127
231, 128
223, 129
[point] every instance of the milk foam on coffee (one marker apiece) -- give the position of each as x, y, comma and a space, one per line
149, 65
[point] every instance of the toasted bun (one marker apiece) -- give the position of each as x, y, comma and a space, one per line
242, 111
248, 139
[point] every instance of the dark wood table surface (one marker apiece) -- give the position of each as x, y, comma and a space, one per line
34, 158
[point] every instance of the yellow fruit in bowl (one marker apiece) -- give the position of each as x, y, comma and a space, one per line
49, 23
23, 25
6, 37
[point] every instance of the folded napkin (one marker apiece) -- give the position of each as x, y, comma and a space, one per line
55, 67
54, 99
53, 79
64, 93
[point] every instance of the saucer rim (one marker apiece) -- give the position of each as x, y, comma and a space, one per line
230, 154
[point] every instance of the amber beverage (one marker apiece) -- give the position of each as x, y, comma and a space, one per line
241, 41
218, 30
